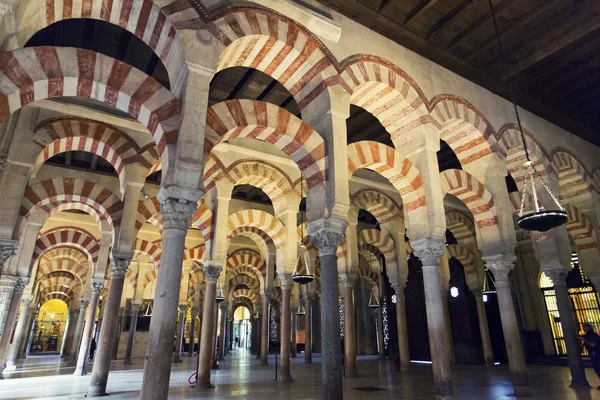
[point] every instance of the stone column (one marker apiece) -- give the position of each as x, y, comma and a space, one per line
569, 326
221, 349
30, 331
428, 251
177, 205
445, 288
215, 331
286, 319
135, 309
380, 339
212, 270
180, 333
512, 337
88, 330
20, 333
118, 266
294, 313
486, 343
348, 280
264, 332
194, 312
100, 318
76, 342
11, 291
308, 328
258, 334
401, 326
69, 329
326, 234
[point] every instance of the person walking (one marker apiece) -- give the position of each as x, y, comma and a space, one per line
92, 349
591, 341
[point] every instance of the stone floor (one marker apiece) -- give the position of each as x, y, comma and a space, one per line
241, 377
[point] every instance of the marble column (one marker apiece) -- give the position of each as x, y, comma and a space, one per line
222, 329
76, 342
348, 280
11, 291
380, 339
286, 320
135, 310
264, 331
308, 328
258, 334
486, 343
326, 234
20, 333
180, 333
215, 331
428, 251
194, 313
212, 271
30, 331
100, 318
118, 266
401, 326
69, 331
177, 205
444, 290
569, 326
88, 330
294, 313
510, 327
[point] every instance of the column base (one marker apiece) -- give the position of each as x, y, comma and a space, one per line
205, 385
177, 359
285, 378
96, 392
265, 363
352, 374
293, 355
522, 391
10, 366
579, 383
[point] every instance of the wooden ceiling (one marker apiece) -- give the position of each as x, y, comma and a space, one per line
552, 48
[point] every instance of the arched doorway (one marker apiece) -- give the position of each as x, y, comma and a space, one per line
50, 327
242, 328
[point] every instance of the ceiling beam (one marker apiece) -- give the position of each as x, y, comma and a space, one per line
554, 45
94, 162
267, 90
241, 84
419, 9
448, 17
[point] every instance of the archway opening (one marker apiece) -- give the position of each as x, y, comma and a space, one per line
50, 327
242, 328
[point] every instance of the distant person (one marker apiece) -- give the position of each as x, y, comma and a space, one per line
591, 341
92, 349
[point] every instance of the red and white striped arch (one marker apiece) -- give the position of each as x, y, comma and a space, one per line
461, 226
464, 128
243, 293
62, 264
150, 250
381, 206
57, 292
473, 194
77, 134
68, 253
38, 73
373, 238
245, 280
59, 278
246, 262
143, 18
279, 47
194, 253
260, 220
580, 228
146, 210
271, 124
369, 275
54, 296
149, 278
574, 181
263, 175
510, 146
67, 236
387, 92
462, 254
44, 196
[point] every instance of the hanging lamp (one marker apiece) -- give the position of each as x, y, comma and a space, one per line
373, 299
301, 309
219, 298
541, 219
302, 272
489, 285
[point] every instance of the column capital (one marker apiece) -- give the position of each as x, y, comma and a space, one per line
97, 285
286, 280
26, 300
178, 205
267, 294
428, 250
195, 310
119, 262
136, 305
83, 303
399, 288
348, 279
557, 275
500, 268
326, 233
224, 306
182, 308
212, 269
8, 248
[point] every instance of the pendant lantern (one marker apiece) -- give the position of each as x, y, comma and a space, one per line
373, 300
540, 219
489, 285
301, 309
302, 272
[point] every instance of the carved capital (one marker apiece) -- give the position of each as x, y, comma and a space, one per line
26, 300
224, 306
178, 205
428, 250
348, 279
212, 269
119, 263
558, 276
182, 308
97, 285
83, 303
194, 311
500, 268
8, 248
326, 234
399, 288
21, 284
266, 295
135, 306
286, 280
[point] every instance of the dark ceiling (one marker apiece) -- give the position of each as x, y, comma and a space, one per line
552, 48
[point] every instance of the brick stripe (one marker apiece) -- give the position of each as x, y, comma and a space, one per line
258, 220
377, 242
